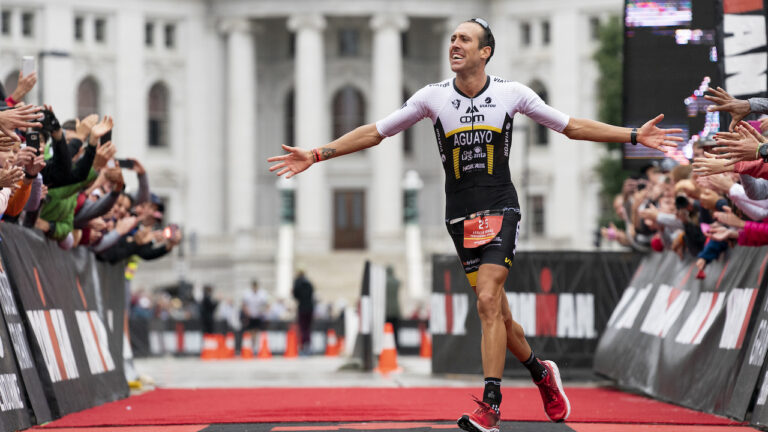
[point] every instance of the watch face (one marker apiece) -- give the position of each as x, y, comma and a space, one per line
763, 150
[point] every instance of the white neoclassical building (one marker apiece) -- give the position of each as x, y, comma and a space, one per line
203, 91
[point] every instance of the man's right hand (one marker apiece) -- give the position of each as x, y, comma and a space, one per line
103, 154
19, 118
296, 161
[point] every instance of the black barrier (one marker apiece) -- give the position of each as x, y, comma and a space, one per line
562, 300
14, 414
23, 355
60, 294
682, 339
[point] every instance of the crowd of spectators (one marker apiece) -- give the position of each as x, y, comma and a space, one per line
702, 208
62, 178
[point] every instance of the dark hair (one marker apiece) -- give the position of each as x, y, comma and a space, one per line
69, 125
487, 39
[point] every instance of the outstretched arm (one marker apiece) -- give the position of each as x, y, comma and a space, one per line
298, 159
648, 135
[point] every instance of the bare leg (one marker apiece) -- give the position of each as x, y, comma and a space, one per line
490, 300
516, 342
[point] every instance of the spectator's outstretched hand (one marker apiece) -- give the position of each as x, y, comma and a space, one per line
721, 183
725, 102
296, 161
727, 217
10, 176
19, 118
83, 127
722, 233
742, 149
651, 136
126, 224
25, 156
710, 165
100, 129
26, 83
104, 153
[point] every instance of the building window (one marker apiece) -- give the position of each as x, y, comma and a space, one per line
79, 29
87, 97
27, 24
291, 45
348, 110
100, 29
538, 226
540, 132
404, 44
594, 28
289, 119
408, 133
170, 35
545, 36
525, 34
349, 219
149, 34
5, 22
349, 42
158, 115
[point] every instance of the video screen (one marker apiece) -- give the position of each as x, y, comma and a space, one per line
670, 58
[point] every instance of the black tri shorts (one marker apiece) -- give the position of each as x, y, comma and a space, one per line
500, 250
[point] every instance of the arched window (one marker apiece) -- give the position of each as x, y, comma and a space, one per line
288, 117
540, 132
10, 82
158, 102
348, 110
87, 97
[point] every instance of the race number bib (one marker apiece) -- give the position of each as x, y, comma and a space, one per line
480, 230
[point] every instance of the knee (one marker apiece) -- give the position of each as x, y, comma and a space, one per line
488, 306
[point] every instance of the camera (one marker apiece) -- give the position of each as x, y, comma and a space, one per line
49, 121
170, 231
125, 163
107, 137
33, 139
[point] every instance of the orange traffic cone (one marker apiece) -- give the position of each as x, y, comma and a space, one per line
221, 347
331, 344
264, 352
229, 346
210, 347
291, 343
426, 342
388, 356
246, 347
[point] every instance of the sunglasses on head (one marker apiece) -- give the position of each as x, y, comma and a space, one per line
481, 21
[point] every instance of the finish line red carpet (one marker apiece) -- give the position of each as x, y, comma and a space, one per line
280, 405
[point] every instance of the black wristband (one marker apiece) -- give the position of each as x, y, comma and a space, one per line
633, 136
29, 176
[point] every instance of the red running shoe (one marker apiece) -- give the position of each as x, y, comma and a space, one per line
483, 419
556, 404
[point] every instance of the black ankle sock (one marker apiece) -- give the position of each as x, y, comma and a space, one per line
535, 368
492, 393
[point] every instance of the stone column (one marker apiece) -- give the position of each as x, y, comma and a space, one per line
387, 158
240, 125
313, 208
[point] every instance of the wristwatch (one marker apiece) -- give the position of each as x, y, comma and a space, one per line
762, 151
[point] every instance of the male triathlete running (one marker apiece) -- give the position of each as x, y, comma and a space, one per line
472, 115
